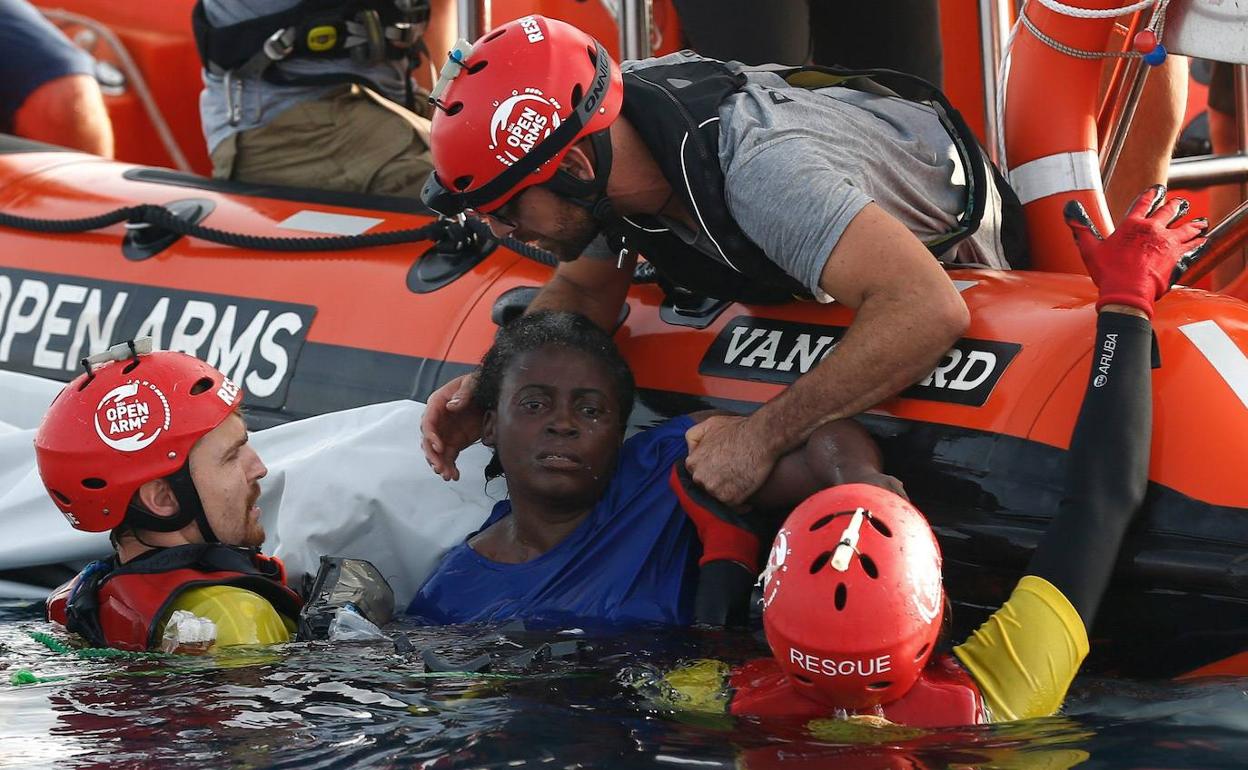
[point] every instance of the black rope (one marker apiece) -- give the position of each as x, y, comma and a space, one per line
163, 218
68, 225
532, 252
459, 236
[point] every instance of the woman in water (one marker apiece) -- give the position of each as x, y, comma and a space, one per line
596, 528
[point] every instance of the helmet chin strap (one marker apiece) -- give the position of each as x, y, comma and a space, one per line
590, 194
190, 508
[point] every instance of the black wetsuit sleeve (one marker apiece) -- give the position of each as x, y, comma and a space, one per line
1107, 474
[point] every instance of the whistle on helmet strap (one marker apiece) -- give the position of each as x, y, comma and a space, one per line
121, 351
848, 546
454, 64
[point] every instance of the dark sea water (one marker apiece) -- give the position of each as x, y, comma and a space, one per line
364, 705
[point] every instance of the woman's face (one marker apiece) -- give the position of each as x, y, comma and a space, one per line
557, 428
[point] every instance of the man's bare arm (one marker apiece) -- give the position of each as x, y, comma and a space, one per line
595, 288
68, 111
908, 315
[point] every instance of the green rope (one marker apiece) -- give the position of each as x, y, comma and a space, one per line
23, 676
90, 653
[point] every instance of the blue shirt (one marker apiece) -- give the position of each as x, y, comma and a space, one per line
34, 52
632, 560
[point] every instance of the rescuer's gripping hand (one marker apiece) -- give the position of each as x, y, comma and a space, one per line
724, 534
451, 422
1133, 266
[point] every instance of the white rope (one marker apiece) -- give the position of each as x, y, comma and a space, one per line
1003, 80
1088, 13
1078, 53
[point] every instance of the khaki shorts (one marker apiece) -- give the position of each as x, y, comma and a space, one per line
351, 140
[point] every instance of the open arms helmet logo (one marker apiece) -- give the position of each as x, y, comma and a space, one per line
521, 121
132, 416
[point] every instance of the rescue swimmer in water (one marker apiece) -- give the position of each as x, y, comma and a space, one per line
692, 162
151, 448
870, 564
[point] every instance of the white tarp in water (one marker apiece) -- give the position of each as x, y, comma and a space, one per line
351, 483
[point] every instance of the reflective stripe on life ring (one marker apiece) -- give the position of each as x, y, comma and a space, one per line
1053, 174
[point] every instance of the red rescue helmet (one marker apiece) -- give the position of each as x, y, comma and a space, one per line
123, 423
516, 102
852, 596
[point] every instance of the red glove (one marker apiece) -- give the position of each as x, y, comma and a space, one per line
1133, 266
725, 535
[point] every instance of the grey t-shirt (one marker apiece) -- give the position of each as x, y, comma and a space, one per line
799, 165
260, 100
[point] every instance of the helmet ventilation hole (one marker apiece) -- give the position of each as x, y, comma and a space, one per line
842, 594
477, 67
880, 526
879, 685
868, 566
802, 678
577, 93
922, 652
130, 367
94, 483
60, 498
823, 522
820, 562
493, 35
455, 108
462, 182
202, 385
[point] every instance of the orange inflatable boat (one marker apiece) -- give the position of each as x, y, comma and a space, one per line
980, 442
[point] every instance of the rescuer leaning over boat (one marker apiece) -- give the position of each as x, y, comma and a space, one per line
151, 448
750, 184
852, 597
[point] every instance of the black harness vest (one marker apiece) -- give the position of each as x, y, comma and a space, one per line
675, 109
369, 30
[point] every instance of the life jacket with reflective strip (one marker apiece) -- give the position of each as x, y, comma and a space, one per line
121, 605
944, 695
680, 127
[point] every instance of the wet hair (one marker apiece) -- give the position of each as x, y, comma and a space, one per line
546, 328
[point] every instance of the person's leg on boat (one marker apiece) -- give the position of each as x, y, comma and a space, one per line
1224, 134
345, 141
1145, 157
